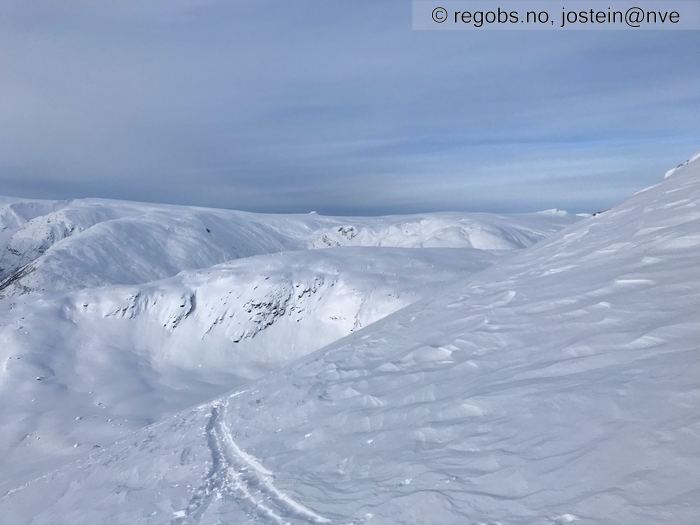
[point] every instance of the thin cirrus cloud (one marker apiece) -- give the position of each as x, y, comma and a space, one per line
334, 106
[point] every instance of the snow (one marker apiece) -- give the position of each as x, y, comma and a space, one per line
122, 356
92, 242
682, 165
560, 384
92, 347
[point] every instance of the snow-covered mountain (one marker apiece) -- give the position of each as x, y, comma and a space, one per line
93, 347
122, 356
560, 385
49, 246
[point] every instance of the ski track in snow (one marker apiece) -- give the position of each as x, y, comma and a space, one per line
236, 473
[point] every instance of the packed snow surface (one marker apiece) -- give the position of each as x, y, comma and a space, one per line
559, 385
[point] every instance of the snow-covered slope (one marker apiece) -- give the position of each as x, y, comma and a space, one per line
559, 386
119, 357
264, 305
483, 231
15, 214
89, 337
92, 242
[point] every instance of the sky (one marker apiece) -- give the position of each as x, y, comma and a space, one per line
333, 106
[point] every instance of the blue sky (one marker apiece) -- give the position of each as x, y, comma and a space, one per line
334, 106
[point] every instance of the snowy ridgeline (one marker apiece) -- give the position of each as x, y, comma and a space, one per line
559, 385
94, 347
46, 245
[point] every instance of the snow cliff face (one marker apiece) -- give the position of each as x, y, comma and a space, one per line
558, 386
276, 307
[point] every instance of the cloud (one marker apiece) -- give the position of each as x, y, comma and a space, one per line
339, 107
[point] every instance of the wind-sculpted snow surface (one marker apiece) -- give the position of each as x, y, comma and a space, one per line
48, 246
93, 345
559, 386
85, 367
